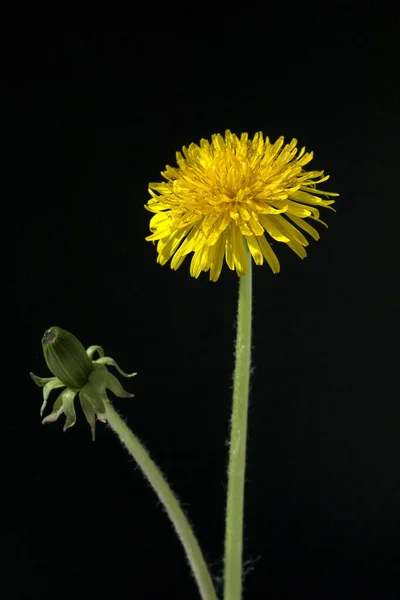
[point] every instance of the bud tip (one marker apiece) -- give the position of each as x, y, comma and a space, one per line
49, 336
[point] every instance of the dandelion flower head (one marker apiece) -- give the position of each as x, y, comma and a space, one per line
231, 193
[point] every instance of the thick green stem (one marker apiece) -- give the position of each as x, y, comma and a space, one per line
169, 501
237, 447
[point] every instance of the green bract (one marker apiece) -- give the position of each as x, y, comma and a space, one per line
75, 369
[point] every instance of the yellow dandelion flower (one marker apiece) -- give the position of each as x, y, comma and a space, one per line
232, 193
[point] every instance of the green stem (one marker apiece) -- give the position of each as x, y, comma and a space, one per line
237, 447
168, 499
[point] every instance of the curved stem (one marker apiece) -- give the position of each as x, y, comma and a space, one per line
237, 448
169, 501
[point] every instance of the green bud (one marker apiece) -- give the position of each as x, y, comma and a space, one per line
66, 358
75, 369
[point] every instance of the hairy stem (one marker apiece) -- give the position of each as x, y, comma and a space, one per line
237, 448
169, 501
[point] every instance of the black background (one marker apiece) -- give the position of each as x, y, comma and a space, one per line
94, 116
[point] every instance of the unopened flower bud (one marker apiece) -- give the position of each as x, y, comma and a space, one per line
66, 358
76, 370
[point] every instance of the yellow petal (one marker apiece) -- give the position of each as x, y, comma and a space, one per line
305, 226
239, 252
297, 248
255, 249
217, 257
297, 210
271, 226
269, 254
292, 232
